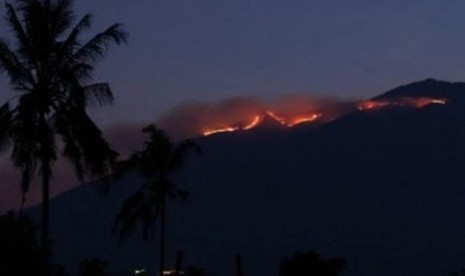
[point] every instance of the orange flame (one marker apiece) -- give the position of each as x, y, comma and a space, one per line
220, 130
276, 117
307, 119
290, 121
296, 120
422, 102
403, 102
257, 120
367, 105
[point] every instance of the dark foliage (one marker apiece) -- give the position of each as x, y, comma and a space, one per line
19, 251
59, 270
461, 273
157, 162
193, 270
93, 267
310, 264
159, 159
50, 70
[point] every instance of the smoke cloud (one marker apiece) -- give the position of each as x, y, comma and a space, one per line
191, 119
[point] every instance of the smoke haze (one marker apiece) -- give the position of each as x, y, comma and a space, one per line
191, 119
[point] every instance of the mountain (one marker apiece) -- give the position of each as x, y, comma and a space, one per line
428, 88
383, 188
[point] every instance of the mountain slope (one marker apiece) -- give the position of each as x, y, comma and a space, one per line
383, 188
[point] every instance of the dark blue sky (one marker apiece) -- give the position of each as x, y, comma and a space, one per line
203, 50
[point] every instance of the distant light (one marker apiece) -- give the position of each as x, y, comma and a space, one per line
438, 101
139, 271
171, 272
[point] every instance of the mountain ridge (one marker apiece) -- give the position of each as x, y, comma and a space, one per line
383, 188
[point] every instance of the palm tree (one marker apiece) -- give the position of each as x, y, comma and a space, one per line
50, 70
157, 162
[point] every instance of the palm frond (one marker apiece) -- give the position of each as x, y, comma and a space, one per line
180, 153
10, 63
71, 41
141, 207
20, 33
25, 147
72, 153
98, 94
23, 133
37, 26
158, 150
61, 16
96, 47
95, 154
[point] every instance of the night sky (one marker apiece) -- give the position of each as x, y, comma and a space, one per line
209, 50
185, 50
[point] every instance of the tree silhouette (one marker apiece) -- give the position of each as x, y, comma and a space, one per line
159, 159
50, 70
461, 273
59, 270
20, 253
193, 270
93, 267
310, 264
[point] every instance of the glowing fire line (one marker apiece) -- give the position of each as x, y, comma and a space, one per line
362, 106
254, 123
276, 117
403, 102
297, 121
258, 119
226, 129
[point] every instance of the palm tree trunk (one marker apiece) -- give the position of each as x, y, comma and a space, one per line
45, 220
162, 234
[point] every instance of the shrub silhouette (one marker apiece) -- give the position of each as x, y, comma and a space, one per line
93, 267
20, 253
310, 264
461, 273
193, 270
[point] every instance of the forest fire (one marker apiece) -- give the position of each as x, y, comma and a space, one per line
256, 121
220, 130
291, 121
304, 119
400, 102
259, 119
245, 114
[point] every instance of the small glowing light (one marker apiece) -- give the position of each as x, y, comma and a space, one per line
438, 101
140, 271
368, 105
403, 102
171, 272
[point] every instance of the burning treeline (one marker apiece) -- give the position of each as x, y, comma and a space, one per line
242, 114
